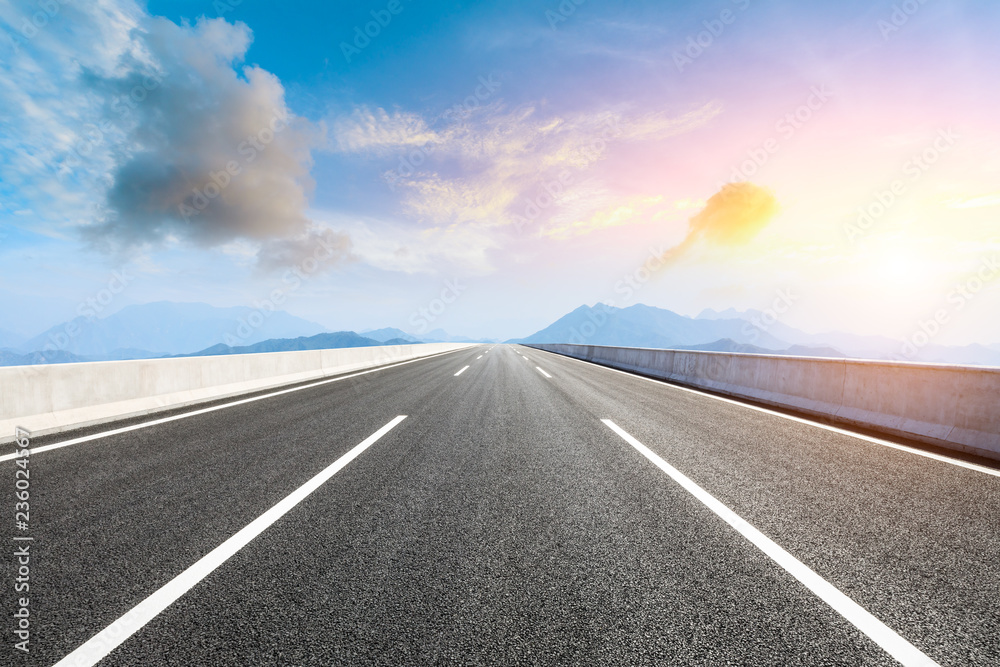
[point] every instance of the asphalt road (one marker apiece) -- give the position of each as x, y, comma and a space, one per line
503, 523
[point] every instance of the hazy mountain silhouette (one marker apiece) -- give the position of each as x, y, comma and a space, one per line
323, 341
165, 328
736, 331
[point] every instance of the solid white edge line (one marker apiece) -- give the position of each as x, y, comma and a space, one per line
542, 372
100, 645
193, 413
893, 644
464, 368
808, 422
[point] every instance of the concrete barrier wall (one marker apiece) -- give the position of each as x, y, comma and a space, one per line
957, 407
57, 397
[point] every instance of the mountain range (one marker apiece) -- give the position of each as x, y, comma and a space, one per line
323, 341
165, 329
735, 331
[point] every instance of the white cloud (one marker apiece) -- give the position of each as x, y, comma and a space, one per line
378, 130
48, 109
139, 132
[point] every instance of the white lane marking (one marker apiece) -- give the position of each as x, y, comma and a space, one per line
480, 357
808, 422
900, 649
543, 372
461, 371
164, 420
101, 644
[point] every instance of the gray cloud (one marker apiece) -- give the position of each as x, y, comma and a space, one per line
210, 154
316, 250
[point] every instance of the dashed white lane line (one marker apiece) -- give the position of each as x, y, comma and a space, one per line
461, 371
900, 649
479, 357
826, 427
185, 415
542, 372
101, 644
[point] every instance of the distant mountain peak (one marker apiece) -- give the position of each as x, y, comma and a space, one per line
389, 333
733, 330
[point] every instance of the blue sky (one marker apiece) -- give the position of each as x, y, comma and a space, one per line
600, 132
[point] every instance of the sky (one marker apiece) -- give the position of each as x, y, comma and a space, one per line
486, 167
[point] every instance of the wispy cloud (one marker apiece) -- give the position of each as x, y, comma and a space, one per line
379, 130
50, 112
631, 211
487, 168
981, 201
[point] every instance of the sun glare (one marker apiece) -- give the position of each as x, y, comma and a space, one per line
901, 268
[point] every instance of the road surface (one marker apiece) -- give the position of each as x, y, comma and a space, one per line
501, 505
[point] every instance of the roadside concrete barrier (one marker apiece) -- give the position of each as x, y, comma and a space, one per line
957, 407
57, 397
